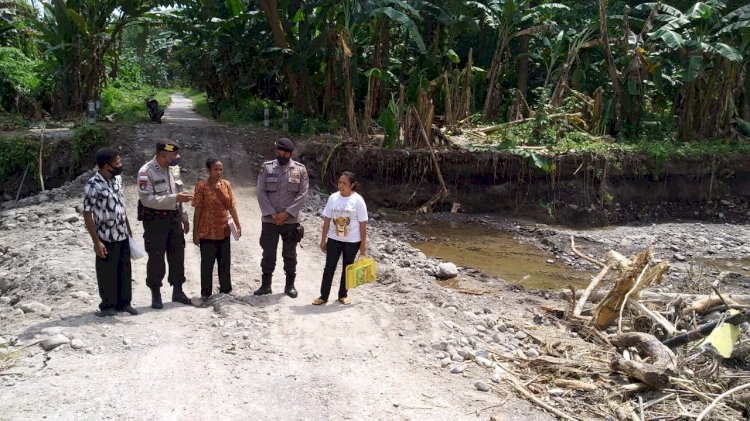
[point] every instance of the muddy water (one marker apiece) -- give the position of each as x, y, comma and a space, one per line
497, 253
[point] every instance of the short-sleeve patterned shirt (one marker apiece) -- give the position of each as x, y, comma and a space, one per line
213, 218
104, 199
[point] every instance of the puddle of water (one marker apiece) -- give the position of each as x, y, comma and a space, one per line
498, 254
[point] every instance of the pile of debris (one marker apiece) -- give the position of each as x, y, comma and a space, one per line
646, 355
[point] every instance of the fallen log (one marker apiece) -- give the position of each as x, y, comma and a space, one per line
657, 373
705, 329
575, 385
637, 276
704, 305
598, 295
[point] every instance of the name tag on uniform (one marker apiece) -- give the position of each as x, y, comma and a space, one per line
295, 175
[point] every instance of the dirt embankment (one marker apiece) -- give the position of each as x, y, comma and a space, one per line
582, 190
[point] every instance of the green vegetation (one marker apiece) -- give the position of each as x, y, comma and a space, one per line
560, 73
85, 140
18, 153
250, 111
127, 101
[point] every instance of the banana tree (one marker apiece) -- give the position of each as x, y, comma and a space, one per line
82, 37
704, 45
509, 19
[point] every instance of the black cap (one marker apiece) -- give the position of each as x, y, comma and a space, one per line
167, 145
285, 144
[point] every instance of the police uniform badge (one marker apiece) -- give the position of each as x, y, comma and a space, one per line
142, 180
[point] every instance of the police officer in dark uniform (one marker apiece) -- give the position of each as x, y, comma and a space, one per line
282, 190
165, 221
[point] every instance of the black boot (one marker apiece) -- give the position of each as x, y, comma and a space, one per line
265, 286
156, 298
178, 296
289, 288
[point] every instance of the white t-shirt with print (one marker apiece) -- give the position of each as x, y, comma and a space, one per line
346, 213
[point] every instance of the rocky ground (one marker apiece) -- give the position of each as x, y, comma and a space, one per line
407, 348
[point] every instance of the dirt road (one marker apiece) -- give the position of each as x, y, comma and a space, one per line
242, 357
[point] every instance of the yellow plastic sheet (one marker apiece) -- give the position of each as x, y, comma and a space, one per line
723, 338
362, 271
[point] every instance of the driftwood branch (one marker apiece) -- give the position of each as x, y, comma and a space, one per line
705, 329
655, 374
719, 398
658, 318
583, 256
592, 285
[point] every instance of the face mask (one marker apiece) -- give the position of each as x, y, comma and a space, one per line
174, 162
282, 160
116, 170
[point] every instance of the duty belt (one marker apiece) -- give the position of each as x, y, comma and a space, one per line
152, 214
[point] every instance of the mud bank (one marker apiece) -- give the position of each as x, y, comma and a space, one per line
582, 189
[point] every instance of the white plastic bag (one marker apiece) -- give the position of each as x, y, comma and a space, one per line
233, 228
136, 250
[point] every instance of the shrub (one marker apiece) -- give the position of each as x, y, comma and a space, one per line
86, 139
17, 76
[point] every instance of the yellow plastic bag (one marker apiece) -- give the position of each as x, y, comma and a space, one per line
362, 271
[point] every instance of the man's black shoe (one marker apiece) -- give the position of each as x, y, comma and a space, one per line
109, 311
290, 291
156, 299
263, 290
178, 296
131, 310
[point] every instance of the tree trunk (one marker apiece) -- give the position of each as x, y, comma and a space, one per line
351, 117
495, 70
372, 104
610, 65
271, 10
746, 95
523, 66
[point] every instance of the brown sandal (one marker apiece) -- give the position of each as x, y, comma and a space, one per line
345, 300
318, 301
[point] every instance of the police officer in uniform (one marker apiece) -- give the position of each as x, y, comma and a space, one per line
165, 221
282, 190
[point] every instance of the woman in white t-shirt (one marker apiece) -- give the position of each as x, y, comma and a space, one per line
344, 232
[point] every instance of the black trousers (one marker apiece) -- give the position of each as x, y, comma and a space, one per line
160, 237
334, 249
113, 275
269, 241
218, 251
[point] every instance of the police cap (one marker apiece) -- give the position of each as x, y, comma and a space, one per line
167, 145
285, 144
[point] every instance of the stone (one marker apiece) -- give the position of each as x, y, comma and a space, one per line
5, 301
480, 385
679, 257
458, 368
77, 344
521, 335
457, 358
37, 308
484, 362
498, 337
556, 391
550, 261
440, 346
480, 328
446, 271
501, 327
496, 377
445, 362
52, 331
54, 341
71, 218
81, 295
126, 341
390, 248
43, 198
83, 276
531, 353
